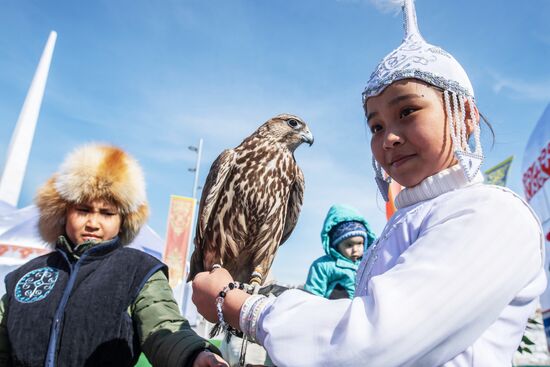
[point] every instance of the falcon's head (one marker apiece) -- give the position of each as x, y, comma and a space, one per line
288, 130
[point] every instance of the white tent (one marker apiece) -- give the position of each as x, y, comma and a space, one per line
20, 241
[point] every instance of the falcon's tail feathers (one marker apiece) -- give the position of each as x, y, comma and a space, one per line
195, 265
216, 329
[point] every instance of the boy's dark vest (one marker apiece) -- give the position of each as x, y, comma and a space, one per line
76, 314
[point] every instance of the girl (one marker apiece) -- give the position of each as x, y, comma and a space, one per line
456, 271
92, 301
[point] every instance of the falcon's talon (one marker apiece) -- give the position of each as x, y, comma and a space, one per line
257, 274
215, 266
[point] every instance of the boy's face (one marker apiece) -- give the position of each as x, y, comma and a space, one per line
97, 221
352, 248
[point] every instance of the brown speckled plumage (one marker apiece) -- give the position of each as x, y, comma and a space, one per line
251, 200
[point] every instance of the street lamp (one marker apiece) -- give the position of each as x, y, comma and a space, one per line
187, 288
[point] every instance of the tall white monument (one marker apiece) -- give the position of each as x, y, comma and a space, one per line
21, 140
19, 238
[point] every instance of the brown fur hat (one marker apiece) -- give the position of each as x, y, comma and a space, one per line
92, 172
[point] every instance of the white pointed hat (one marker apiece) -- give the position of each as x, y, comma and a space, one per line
416, 58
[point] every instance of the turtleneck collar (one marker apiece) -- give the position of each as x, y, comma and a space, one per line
447, 180
75, 252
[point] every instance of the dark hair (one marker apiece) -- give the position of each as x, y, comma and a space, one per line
486, 121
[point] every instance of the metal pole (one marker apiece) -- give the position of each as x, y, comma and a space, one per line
197, 165
186, 288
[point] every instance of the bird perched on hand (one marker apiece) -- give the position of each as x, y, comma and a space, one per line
251, 201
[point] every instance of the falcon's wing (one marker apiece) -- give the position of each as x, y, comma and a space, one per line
294, 205
213, 188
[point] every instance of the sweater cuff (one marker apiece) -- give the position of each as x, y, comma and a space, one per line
165, 348
207, 347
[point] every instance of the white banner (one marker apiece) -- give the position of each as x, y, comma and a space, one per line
536, 184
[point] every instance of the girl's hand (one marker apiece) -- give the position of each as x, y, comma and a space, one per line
206, 287
208, 359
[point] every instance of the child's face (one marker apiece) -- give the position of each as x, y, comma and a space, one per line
410, 137
97, 221
352, 248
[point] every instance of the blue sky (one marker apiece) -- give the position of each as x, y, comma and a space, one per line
155, 76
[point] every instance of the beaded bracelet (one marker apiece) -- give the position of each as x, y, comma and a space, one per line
246, 314
220, 300
256, 311
250, 315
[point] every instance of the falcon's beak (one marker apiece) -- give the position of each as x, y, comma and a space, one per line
307, 137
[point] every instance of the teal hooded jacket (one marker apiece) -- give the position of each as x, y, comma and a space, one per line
334, 268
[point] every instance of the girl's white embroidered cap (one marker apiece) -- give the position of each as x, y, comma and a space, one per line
415, 58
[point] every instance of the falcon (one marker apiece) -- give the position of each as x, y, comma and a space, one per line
251, 201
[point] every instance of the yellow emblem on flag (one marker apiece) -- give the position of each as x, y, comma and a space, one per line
499, 173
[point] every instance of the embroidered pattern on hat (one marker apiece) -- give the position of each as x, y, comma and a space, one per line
418, 59
36, 285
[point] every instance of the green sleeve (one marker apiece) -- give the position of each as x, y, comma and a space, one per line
165, 336
4, 339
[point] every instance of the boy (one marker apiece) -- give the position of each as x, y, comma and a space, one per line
92, 301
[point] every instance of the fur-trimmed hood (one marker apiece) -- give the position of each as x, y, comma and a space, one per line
337, 214
91, 172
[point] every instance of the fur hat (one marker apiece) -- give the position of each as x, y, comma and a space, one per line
92, 172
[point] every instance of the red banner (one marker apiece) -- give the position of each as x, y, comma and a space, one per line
178, 232
538, 173
21, 252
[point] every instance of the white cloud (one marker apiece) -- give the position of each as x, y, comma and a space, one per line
388, 6
517, 88
385, 6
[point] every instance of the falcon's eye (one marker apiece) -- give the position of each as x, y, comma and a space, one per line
293, 123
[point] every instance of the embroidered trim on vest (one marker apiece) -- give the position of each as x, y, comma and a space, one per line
35, 285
